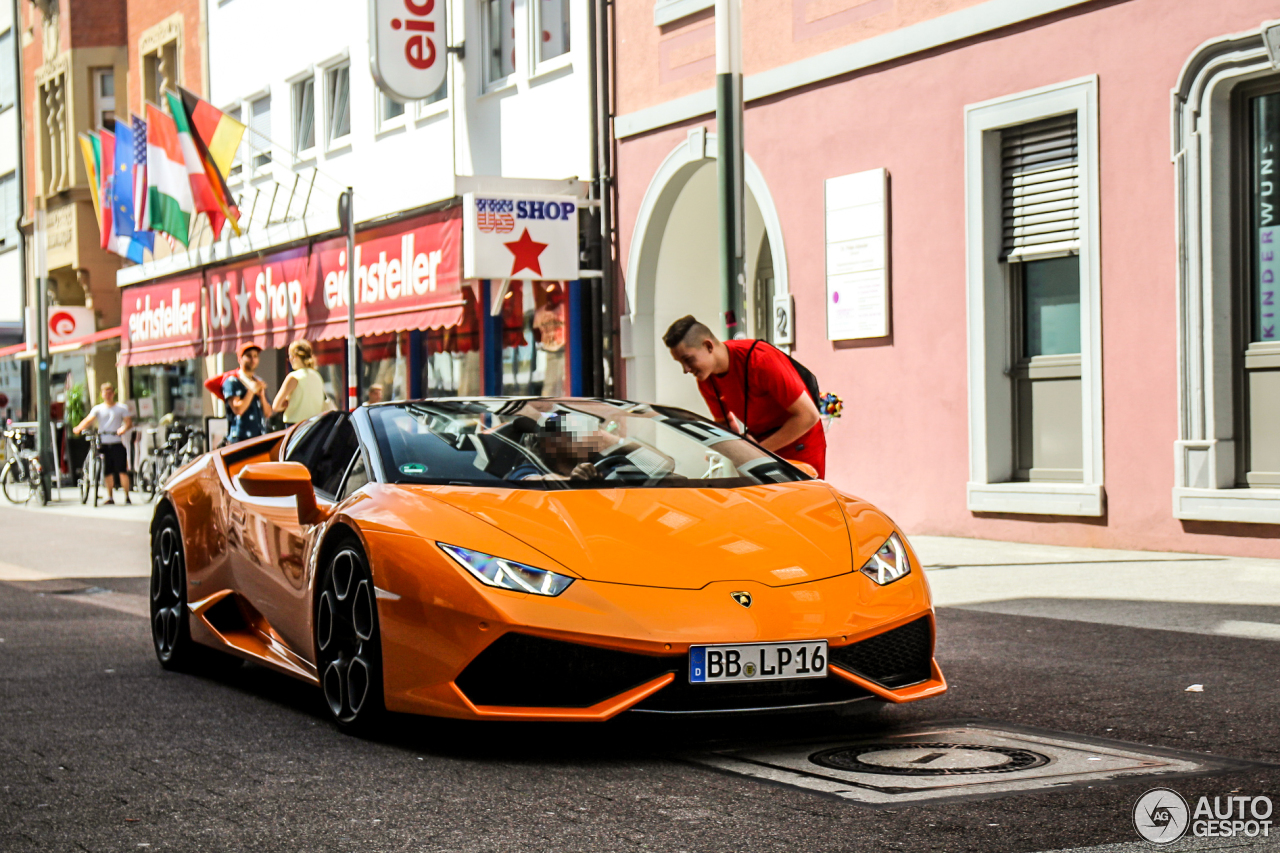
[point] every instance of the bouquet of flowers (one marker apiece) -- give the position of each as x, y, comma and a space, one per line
830, 407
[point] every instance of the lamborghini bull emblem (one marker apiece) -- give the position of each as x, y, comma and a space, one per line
743, 598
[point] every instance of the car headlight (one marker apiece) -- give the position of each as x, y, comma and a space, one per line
889, 563
507, 574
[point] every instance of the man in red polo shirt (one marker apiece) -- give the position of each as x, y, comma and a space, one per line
765, 392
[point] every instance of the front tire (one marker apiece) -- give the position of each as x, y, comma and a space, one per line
348, 642
15, 483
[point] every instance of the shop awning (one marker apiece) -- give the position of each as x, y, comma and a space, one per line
20, 351
443, 315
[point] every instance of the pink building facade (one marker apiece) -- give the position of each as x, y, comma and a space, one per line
1037, 278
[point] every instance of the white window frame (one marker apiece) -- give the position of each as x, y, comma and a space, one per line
339, 143
252, 169
1205, 451
669, 11
303, 153
539, 65
385, 125
991, 438
509, 80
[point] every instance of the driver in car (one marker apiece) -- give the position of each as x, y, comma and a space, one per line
560, 449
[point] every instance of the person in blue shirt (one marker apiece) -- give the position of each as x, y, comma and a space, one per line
246, 396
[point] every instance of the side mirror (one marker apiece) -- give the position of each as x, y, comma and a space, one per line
282, 480
805, 467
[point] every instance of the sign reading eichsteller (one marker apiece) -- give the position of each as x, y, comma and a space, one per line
407, 47
519, 237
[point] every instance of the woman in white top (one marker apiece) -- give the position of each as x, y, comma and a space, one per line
301, 395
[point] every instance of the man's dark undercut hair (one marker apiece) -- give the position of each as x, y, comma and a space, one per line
686, 330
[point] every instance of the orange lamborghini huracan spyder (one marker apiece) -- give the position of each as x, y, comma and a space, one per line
536, 559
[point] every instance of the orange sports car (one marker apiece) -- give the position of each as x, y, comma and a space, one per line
536, 559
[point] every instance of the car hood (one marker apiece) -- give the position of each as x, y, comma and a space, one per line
674, 538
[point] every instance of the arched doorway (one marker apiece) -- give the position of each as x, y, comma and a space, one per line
674, 265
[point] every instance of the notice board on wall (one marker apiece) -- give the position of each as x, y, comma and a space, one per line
857, 233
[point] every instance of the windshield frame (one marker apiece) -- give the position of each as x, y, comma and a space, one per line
382, 456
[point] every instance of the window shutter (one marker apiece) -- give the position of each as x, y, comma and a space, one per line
1041, 189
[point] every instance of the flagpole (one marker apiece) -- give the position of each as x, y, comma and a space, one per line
346, 215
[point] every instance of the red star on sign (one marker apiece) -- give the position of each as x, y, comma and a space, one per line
526, 251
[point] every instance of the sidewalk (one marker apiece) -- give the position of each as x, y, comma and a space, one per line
1195, 593
70, 505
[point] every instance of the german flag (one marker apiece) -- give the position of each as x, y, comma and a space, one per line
216, 136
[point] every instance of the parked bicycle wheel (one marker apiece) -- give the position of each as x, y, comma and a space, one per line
15, 482
86, 477
146, 478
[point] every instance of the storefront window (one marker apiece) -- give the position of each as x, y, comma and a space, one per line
1265, 184
162, 389
384, 367
451, 361
534, 339
331, 363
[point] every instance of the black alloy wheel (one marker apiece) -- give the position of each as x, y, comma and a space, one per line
170, 631
348, 645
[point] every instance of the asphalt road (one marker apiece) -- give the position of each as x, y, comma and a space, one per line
100, 749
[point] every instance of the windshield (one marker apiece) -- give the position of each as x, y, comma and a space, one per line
566, 444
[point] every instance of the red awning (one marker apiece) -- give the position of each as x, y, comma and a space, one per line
21, 351
441, 316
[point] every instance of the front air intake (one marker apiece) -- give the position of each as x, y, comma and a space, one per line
897, 658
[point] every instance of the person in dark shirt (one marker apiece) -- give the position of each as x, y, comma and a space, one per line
246, 396
752, 388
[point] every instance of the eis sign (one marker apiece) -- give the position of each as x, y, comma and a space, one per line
520, 237
407, 52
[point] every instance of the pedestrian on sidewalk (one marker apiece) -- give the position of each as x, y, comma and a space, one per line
113, 421
754, 389
246, 397
301, 395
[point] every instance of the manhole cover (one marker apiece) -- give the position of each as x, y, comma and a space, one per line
928, 759
949, 761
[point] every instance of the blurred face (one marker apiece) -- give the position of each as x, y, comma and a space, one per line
696, 360
249, 361
375, 394
109, 394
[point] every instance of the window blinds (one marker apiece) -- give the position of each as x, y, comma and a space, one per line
1041, 189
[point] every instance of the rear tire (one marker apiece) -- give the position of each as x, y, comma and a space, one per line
86, 474
170, 628
348, 641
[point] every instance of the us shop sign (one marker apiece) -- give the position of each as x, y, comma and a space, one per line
407, 55
520, 237
406, 277
160, 322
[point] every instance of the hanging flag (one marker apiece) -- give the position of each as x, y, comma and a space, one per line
139, 173
91, 169
132, 243
170, 206
219, 132
106, 174
201, 187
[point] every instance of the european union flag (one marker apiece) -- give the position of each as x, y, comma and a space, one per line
122, 207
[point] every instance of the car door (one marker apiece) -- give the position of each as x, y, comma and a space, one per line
273, 576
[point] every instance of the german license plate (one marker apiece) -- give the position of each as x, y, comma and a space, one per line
757, 662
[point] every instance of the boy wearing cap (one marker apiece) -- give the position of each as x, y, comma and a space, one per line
246, 396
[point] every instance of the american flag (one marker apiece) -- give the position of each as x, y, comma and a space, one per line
140, 174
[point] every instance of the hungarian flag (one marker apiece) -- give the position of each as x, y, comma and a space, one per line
170, 205
207, 184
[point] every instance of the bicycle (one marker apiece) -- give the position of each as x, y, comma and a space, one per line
91, 471
20, 479
181, 445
